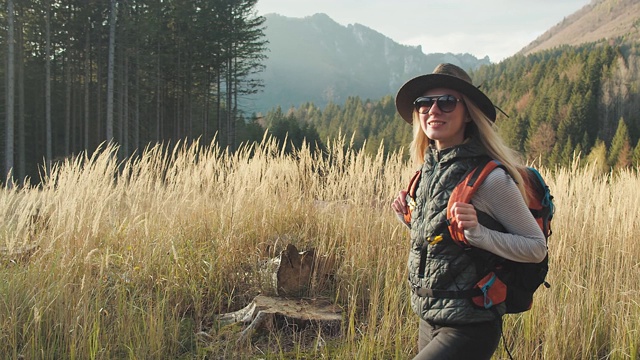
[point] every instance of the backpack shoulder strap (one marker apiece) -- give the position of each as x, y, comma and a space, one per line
540, 200
411, 194
542, 187
463, 192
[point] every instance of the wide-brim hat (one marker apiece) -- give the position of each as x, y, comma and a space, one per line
444, 76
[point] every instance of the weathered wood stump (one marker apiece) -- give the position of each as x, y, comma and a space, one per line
288, 277
268, 312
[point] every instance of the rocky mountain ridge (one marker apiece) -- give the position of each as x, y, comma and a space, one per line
315, 59
601, 19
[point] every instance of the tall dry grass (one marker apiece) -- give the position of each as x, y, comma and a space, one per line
134, 259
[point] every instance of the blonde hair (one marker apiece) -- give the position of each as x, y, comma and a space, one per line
493, 143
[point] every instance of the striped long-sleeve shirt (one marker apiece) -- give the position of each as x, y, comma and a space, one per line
500, 198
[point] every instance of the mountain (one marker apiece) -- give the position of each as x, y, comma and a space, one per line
601, 19
572, 91
315, 59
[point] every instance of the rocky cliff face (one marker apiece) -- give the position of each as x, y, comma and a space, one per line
317, 60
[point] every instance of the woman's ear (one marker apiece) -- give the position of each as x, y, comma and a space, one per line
467, 117
470, 128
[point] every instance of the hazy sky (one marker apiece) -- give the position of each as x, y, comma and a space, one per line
497, 28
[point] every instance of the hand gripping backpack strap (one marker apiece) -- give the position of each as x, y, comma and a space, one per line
463, 192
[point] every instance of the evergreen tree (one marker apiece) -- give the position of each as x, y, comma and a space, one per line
555, 157
249, 132
514, 131
568, 153
598, 156
636, 155
620, 150
291, 132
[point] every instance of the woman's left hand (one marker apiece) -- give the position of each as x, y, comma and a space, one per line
465, 215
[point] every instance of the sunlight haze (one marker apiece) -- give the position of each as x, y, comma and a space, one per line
494, 28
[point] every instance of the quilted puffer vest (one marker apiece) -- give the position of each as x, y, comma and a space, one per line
446, 266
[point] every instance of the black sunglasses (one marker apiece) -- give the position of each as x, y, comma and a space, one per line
446, 103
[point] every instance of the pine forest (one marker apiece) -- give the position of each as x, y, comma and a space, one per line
81, 73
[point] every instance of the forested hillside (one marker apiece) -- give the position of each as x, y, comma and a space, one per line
340, 61
570, 99
559, 102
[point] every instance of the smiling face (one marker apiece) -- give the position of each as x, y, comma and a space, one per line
446, 129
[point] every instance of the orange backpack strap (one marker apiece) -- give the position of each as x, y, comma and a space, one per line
463, 192
411, 195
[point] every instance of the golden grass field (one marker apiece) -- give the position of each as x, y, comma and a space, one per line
133, 259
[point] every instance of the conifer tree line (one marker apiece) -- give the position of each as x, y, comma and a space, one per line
79, 73
558, 103
571, 100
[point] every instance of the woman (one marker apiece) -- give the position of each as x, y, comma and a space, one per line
453, 133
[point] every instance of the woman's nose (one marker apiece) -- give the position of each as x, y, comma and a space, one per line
434, 107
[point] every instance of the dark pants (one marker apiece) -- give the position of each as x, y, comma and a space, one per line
475, 341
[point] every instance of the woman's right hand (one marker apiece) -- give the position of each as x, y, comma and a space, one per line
399, 205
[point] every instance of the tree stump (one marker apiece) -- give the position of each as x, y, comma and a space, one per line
289, 277
268, 312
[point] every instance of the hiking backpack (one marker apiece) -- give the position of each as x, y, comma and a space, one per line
510, 281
